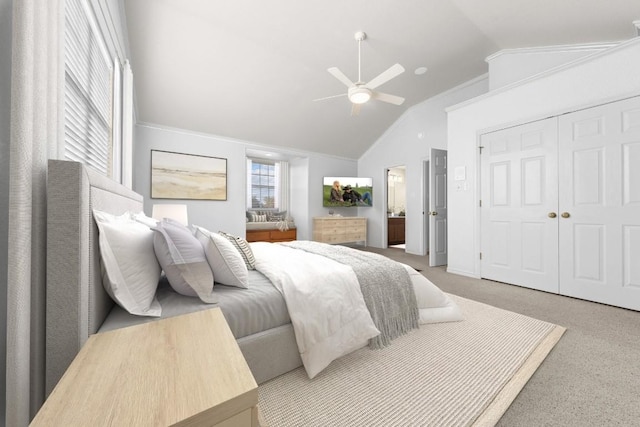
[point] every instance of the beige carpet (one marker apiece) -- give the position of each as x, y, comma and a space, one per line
448, 374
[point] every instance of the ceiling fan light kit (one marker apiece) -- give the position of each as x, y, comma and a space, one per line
360, 92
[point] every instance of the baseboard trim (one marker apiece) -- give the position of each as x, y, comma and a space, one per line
463, 273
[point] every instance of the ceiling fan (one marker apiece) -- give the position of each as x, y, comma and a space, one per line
361, 92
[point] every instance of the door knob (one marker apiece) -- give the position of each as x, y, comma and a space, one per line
565, 215
434, 213
552, 215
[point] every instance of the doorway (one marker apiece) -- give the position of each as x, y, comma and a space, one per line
396, 206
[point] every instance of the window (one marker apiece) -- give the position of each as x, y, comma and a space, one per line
267, 184
88, 92
263, 185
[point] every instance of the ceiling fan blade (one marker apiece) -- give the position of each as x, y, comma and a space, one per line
330, 97
355, 109
385, 76
340, 76
385, 97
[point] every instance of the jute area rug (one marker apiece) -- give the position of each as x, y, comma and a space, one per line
448, 374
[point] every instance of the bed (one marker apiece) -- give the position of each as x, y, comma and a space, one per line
78, 304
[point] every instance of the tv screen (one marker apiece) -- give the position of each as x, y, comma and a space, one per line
347, 191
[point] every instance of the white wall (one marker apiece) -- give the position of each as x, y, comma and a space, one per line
5, 119
319, 167
408, 142
593, 80
307, 170
512, 65
307, 188
299, 200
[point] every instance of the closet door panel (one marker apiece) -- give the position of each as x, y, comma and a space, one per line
599, 189
631, 174
631, 236
519, 191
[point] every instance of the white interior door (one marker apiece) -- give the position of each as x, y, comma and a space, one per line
438, 207
425, 207
519, 200
600, 204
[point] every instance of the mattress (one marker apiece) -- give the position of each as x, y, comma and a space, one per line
247, 311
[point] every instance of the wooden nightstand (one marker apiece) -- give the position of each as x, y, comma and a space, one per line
182, 371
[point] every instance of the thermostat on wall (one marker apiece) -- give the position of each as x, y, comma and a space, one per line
460, 173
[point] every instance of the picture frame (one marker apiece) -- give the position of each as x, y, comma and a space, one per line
187, 176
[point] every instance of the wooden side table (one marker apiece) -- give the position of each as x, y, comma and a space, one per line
182, 371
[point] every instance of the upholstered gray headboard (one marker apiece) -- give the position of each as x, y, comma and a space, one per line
77, 303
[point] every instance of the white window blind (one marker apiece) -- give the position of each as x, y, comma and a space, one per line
88, 90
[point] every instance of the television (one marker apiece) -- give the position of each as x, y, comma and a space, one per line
347, 191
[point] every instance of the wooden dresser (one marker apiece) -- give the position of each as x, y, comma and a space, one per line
339, 229
181, 371
271, 235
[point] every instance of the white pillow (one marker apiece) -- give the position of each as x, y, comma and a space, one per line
130, 270
182, 258
224, 259
144, 219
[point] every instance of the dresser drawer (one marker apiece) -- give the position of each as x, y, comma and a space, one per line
333, 229
358, 227
282, 236
355, 236
341, 223
258, 235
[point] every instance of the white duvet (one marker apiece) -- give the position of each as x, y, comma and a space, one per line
325, 303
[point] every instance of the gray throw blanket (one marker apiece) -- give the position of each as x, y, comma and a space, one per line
385, 284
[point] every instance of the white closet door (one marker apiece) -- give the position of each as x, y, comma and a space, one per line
600, 204
519, 196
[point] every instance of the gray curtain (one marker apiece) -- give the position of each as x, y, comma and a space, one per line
35, 132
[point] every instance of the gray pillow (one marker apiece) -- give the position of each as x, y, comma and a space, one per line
183, 260
277, 216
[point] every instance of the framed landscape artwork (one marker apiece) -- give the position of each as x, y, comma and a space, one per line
187, 176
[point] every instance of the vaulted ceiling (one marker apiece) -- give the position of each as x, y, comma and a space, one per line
251, 69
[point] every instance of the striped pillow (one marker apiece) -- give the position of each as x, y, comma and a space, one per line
258, 217
243, 247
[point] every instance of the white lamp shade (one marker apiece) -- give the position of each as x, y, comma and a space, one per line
175, 212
